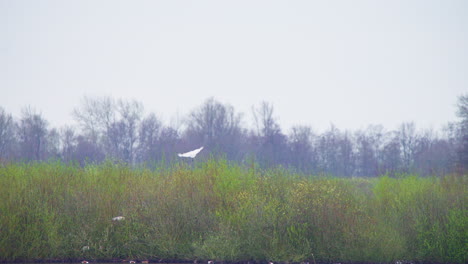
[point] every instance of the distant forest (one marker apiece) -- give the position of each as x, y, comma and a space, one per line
118, 130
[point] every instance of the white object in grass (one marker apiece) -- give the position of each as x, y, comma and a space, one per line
118, 218
191, 154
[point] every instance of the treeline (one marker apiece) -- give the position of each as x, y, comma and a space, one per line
119, 130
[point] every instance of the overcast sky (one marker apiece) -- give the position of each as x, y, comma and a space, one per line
350, 63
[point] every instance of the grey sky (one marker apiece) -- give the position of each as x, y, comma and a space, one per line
350, 63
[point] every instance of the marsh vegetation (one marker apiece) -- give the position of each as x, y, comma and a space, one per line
223, 211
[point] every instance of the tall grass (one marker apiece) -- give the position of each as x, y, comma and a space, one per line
217, 210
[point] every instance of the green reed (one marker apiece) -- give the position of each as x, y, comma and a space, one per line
222, 211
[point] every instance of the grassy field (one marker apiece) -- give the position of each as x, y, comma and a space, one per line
215, 210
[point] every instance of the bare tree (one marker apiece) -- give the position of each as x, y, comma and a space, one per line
432, 154
216, 126
390, 154
271, 144
303, 156
328, 149
68, 143
149, 139
336, 153
265, 123
346, 157
32, 130
110, 124
123, 134
53, 144
369, 150
95, 116
462, 149
367, 160
87, 151
114, 141
7, 135
407, 136
462, 109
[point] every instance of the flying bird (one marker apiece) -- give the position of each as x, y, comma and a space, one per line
191, 154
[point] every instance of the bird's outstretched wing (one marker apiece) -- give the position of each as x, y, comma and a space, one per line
190, 154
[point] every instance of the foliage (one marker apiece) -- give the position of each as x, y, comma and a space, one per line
222, 211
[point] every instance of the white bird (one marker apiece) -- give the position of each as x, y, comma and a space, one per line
191, 154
